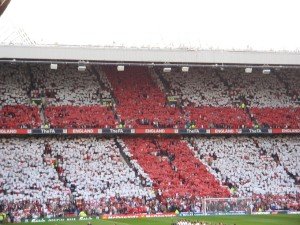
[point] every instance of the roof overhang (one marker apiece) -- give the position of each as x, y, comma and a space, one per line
160, 56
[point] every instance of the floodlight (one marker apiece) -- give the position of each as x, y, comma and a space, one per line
248, 70
185, 69
53, 66
120, 68
167, 69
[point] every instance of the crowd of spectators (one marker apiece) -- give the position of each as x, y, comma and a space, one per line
80, 116
259, 90
285, 151
55, 176
173, 168
140, 102
198, 111
106, 88
199, 87
269, 202
65, 86
286, 118
71, 98
291, 79
147, 181
19, 116
14, 85
250, 166
28, 185
218, 117
15, 111
207, 97
49, 177
95, 169
240, 163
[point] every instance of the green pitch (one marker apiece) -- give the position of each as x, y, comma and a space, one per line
228, 220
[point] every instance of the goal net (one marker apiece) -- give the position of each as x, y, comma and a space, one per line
227, 206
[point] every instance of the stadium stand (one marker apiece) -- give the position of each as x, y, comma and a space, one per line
84, 169
251, 166
285, 151
207, 98
268, 100
291, 80
218, 117
140, 102
173, 168
19, 116
14, 85
55, 171
55, 177
79, 116
257, 89
96, 169
66, 85
28, 186
199, 87
277, 117
106, 88
71, 99
15, 110
241, 162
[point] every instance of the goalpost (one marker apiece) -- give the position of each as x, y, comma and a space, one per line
227, 206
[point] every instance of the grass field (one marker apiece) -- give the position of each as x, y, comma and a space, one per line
228, 220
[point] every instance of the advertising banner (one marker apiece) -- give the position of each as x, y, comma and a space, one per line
146, 131
46, 131
141, 215
43, 220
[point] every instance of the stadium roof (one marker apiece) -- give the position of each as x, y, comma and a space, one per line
137, 55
